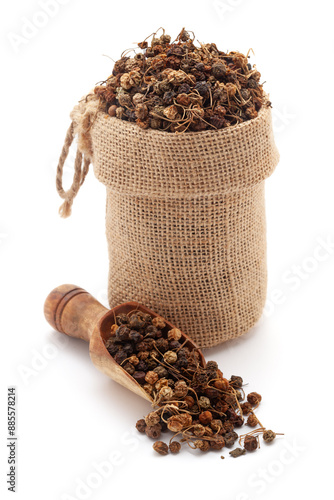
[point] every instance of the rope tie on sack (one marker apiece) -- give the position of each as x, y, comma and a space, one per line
81, 167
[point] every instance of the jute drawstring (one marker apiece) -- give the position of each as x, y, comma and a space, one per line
81, 167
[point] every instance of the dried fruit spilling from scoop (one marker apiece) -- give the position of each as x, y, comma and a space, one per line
198, 405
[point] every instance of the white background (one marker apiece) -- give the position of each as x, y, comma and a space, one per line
70, 416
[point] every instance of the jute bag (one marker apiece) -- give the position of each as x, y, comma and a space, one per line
185, 219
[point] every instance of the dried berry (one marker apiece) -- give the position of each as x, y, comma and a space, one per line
252, 420
148, 388
218, 443
155, 123
203, 89
128, 367
238, 421
236, 381
175, 423
165, 39
269, 436
128, 348
254, 398
221, 384
245, 94
171, 112
141, 111
189, 400
230, 438
211, 393
180, 389
152, 419
146, 345
183, 100
161, 371
246, 408
125, 81
168, 99
151, 332
252, 84
174, 334
151, 364
204, 402
162, 345
211, 365
250, 443
120, 113
136, 322
230, 399
202, 445
170, 357
200, 380
121, 319
181, 363
216, 121
142, 366
120, 356
141, 425
163, 382
221, 407
230, 89
199, 430
135, 336
187, 420
165, 394
251, 112
205, 417
174, 345
216, 425
112, 110
122, 333
218, 70
159, 322
124, 100
153, 431
174, 447
160, 447
151, 377
139, 377
111, 346
228, 426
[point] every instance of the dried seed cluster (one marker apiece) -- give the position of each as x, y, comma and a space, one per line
179, 86
197, 404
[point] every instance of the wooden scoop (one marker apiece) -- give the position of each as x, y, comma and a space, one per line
75, 312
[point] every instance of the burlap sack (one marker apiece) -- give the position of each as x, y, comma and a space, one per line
185, 218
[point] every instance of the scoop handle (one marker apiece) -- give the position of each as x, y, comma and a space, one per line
73, 311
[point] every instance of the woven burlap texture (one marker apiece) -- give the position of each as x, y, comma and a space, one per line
185, 220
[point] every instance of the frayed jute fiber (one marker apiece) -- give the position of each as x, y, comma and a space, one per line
185, 219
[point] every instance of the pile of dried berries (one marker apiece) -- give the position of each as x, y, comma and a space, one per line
178, 86
197, 404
